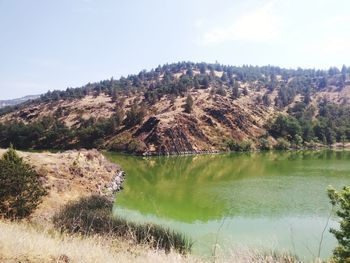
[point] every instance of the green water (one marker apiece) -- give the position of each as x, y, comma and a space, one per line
268, 201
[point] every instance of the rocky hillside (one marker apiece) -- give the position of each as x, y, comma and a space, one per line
187, 107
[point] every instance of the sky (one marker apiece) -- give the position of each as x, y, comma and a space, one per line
55, 44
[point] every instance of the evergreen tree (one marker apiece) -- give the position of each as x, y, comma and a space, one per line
189, 104
341, 201
20, 186
266, 100
189, 72
343, 73
134, 116
235, 91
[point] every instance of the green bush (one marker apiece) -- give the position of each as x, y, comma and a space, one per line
93, 215
237, 146
20, 187
128, 144
341, 201
282, 144
264, 144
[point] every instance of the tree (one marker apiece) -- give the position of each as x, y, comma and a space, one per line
189, 72
118, 116
341, 201
245, 91
202, 68
298, 140
239, 146
285, 126
20, 186
235, 91
343, 73
221, 91
264, 144
323, 83
282, 144
224, 77
114, 94
307, 97
189, 104
134, 116
266, 100
205, 81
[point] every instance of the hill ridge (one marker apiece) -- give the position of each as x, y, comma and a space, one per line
187, 108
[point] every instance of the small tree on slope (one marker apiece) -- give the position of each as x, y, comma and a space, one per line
20, 187
189, 104
341, 201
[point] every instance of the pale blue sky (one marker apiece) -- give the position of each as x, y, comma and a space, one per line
55, 44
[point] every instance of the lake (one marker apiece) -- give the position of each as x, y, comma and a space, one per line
267, 201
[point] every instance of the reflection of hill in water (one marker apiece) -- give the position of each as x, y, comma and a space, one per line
208, 187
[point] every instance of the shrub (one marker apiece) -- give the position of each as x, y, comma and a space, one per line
20, 186
282, 144
136, 146
126, 143
221, 91
93, 215
298, 141
243, 146
341, 200
264, 144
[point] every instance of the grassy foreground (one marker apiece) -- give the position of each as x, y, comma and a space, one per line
21, 242
26, 243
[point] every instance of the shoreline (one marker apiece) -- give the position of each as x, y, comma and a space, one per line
334, 147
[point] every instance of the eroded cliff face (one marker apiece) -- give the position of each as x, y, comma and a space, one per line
213, 121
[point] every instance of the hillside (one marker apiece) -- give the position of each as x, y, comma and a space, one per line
187, 108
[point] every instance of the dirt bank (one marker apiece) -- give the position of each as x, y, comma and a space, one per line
71, 175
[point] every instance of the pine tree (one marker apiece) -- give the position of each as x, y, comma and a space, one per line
341, 201
20, 186
189, 104
235, 91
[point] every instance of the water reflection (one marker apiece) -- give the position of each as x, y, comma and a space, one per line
275, 200
208, 187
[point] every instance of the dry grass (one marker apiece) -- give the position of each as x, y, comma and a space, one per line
20, 242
